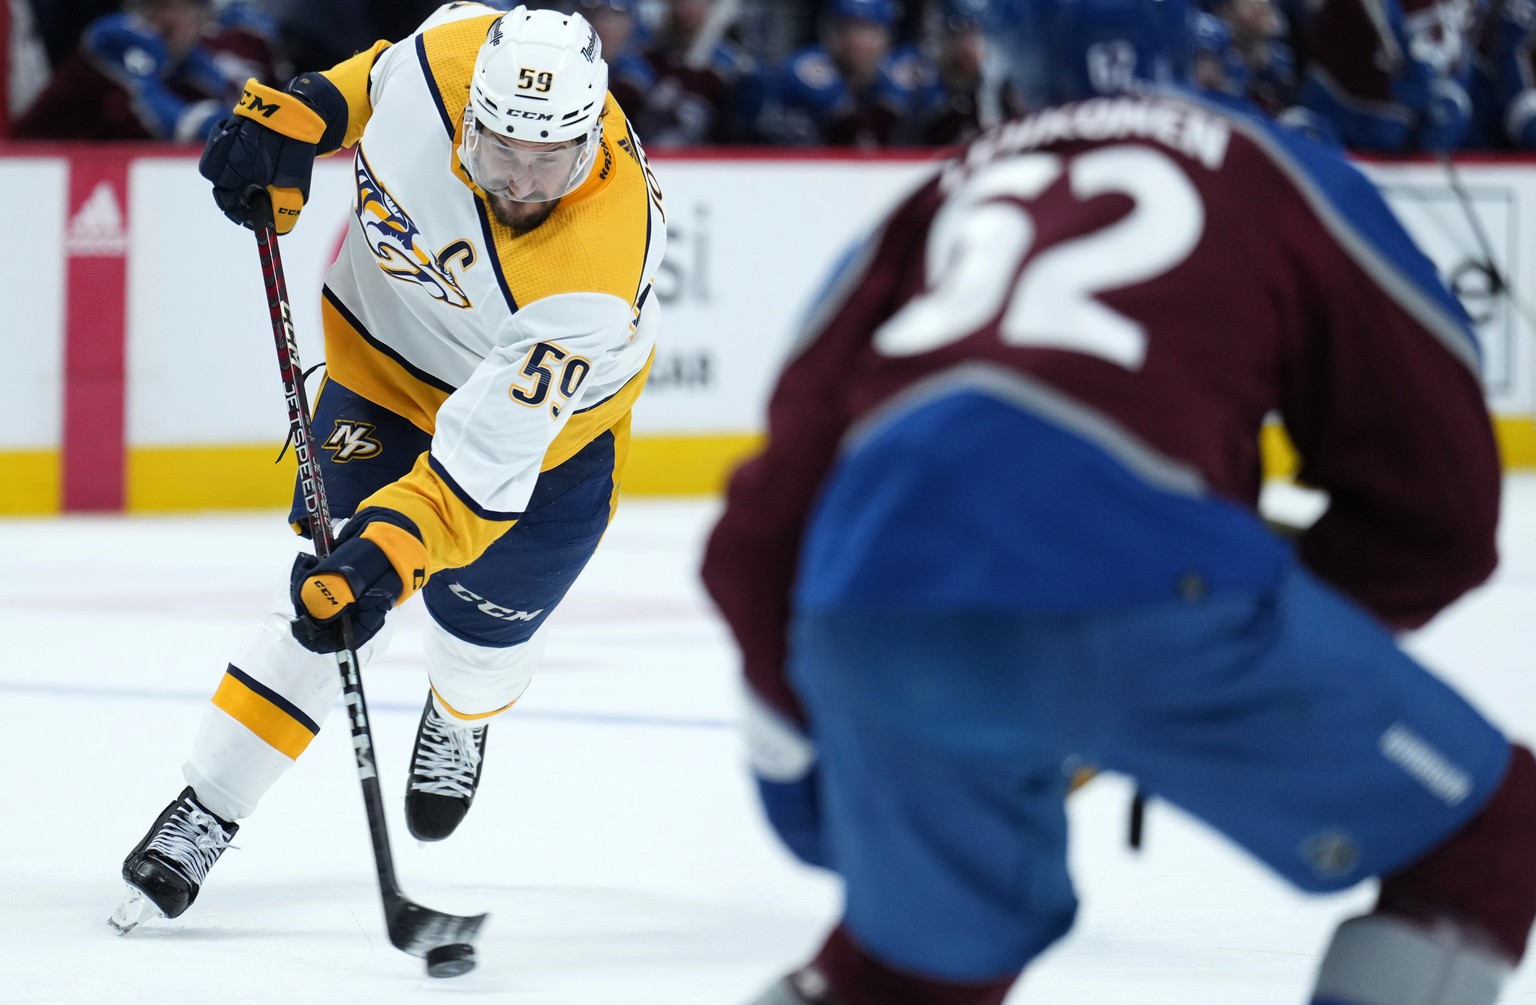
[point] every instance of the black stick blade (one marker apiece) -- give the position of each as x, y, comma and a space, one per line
419, 930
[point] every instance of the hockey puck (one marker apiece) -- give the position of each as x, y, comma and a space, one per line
451, 960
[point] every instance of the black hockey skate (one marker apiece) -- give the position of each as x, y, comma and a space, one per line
445, 770
165, 870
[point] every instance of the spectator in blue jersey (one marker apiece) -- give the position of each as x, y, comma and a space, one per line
1005, 523
1504, 88
707, 88
1390, 76
1258, 31
629, 73
160, 69
1218, 68
948, 94
842, 92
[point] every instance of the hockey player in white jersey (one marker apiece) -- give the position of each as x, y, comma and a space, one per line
488, 326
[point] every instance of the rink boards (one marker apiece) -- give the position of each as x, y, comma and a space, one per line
141, 368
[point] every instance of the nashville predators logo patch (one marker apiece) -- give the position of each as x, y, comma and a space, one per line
350, 441
403, 252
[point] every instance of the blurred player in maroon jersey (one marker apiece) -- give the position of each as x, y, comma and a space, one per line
1004, 524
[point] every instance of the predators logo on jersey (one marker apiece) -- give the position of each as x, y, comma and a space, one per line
402, 250
350, 441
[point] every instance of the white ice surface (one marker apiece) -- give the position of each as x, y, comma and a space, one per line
615, 840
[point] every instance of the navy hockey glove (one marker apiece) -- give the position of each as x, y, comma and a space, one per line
784, 766
269, 145
378, 562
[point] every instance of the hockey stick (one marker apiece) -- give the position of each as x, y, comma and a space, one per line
1453, 176
1500, 286
445, 941
713, 30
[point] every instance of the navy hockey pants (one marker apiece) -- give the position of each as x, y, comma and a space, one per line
502, 597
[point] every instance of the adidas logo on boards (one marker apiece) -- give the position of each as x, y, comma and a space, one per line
97, 228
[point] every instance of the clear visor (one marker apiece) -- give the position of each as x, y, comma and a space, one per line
521, 170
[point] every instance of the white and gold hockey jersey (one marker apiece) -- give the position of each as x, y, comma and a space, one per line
512, 350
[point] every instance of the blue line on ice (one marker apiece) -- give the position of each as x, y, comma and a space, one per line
159, 695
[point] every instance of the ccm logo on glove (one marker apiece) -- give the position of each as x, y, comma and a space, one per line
255, 104
376, 556
268, 148
297, 120
317, 595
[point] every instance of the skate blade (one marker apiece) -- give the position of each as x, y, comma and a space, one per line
134, 909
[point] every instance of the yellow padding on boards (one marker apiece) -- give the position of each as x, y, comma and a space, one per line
178, 478
275, 727
31, 482
1516, 435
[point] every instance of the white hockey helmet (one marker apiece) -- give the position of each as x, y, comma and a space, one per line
535, 108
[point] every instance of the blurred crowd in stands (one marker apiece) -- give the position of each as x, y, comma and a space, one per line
1373, 75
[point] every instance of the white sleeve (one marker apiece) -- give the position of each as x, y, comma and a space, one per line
556, 355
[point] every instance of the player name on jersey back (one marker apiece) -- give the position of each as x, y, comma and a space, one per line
1198, 133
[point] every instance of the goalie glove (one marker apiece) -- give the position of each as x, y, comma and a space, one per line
269, 145
783, 760
378, 563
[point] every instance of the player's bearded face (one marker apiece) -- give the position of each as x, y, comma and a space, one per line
521, 216
524, 181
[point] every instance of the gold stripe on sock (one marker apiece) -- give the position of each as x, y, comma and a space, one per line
470, 716
274, 725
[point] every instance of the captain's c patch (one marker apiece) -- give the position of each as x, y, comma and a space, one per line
401, 248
